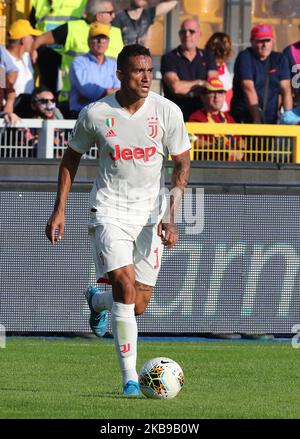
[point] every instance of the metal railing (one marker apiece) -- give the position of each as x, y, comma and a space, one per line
37, 138
247, 142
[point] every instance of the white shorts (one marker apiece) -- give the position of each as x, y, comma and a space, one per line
115, 246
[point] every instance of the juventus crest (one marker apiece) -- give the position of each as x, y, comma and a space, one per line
153, 125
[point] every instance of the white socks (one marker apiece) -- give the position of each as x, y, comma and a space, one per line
103, 300
124, 329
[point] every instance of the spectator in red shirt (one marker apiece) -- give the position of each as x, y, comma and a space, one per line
213, 96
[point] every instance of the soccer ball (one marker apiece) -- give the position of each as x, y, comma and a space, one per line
161, 378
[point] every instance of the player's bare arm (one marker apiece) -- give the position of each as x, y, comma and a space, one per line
167, 229
67, 171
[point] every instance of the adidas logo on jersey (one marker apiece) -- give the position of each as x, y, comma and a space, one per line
110, 133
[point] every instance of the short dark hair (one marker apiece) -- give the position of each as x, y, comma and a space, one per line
130, 51
39, 90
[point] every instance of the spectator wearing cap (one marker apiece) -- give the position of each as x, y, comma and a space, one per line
93, 75
213, 95
261, 82
185, 69
135, 21
20, 39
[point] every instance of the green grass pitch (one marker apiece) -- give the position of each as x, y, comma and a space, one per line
79, 378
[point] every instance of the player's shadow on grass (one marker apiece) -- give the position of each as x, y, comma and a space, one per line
109, 395
9, 389
17, 389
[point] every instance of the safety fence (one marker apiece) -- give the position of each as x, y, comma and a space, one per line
37, 138
245, 142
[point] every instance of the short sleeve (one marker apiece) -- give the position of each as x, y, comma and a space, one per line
244, 67
83, 134
6, 61
167, 64
60, 34
177, 139
284, 69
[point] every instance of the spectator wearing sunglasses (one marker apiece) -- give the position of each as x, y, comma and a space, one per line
186, 68
261, 82
135, 21
93, 75
43, 104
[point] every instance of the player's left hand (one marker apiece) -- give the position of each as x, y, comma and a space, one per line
168, 233
55, 227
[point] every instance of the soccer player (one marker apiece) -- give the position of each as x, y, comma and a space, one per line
135, 131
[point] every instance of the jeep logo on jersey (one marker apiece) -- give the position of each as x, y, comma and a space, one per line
137, 153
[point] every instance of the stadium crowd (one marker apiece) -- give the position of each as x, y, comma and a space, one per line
71, 52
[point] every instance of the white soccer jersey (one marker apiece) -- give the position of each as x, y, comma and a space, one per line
132, 149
